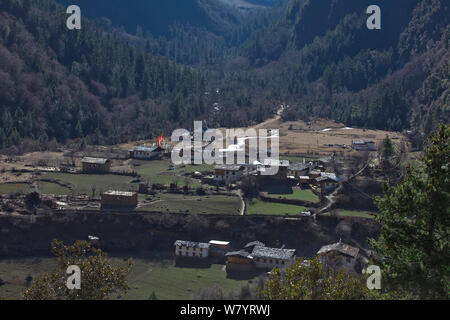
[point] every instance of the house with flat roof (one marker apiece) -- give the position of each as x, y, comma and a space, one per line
191, 249
95, 165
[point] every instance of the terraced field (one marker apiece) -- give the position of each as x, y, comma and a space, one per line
260, 207
83, 183
43, 187
194, 204
293, 193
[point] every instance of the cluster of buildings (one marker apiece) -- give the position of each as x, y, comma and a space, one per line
253, 255
312, 173
257, 256
364, 145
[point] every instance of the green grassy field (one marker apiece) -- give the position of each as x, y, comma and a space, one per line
174, 283
14, 272
295, 193
160, 172
272, 208
43, 187
194, 204
83, 183
147, 275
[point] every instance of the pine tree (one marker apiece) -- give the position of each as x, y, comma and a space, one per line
413, 247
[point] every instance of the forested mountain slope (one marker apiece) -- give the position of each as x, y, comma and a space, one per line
156, 16
333, 66
148, 66
65, 84
56, 83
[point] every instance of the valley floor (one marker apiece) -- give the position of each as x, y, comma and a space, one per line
148, 275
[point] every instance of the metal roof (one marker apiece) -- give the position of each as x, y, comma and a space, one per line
276, 163
219, 243
232, 167
340, 247
274, 253
298, 166
145, 149
94, 160
192, 244
119, 193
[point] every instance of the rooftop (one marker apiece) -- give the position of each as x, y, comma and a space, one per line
192, 244
94, 160
119, 193
229, 167
341, 248
219, 243
298, 166
328, 176
275, 253
326, 160
276, 163
145, 149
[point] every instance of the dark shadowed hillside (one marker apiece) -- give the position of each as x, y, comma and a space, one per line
140, 67
338, 68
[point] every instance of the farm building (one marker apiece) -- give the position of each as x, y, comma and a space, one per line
95, 165
218, 248
283, 167
327, 180
228, 173
339, 256
191, 249
298, 169
119, 200
304, 180
145, 153
239, 261
364, 145
251, 245
256, 255
314, 174
269, 258
326, 162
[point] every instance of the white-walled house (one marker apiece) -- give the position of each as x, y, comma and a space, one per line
144, 152
339, 256
191, 249
269, 258
229, 173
